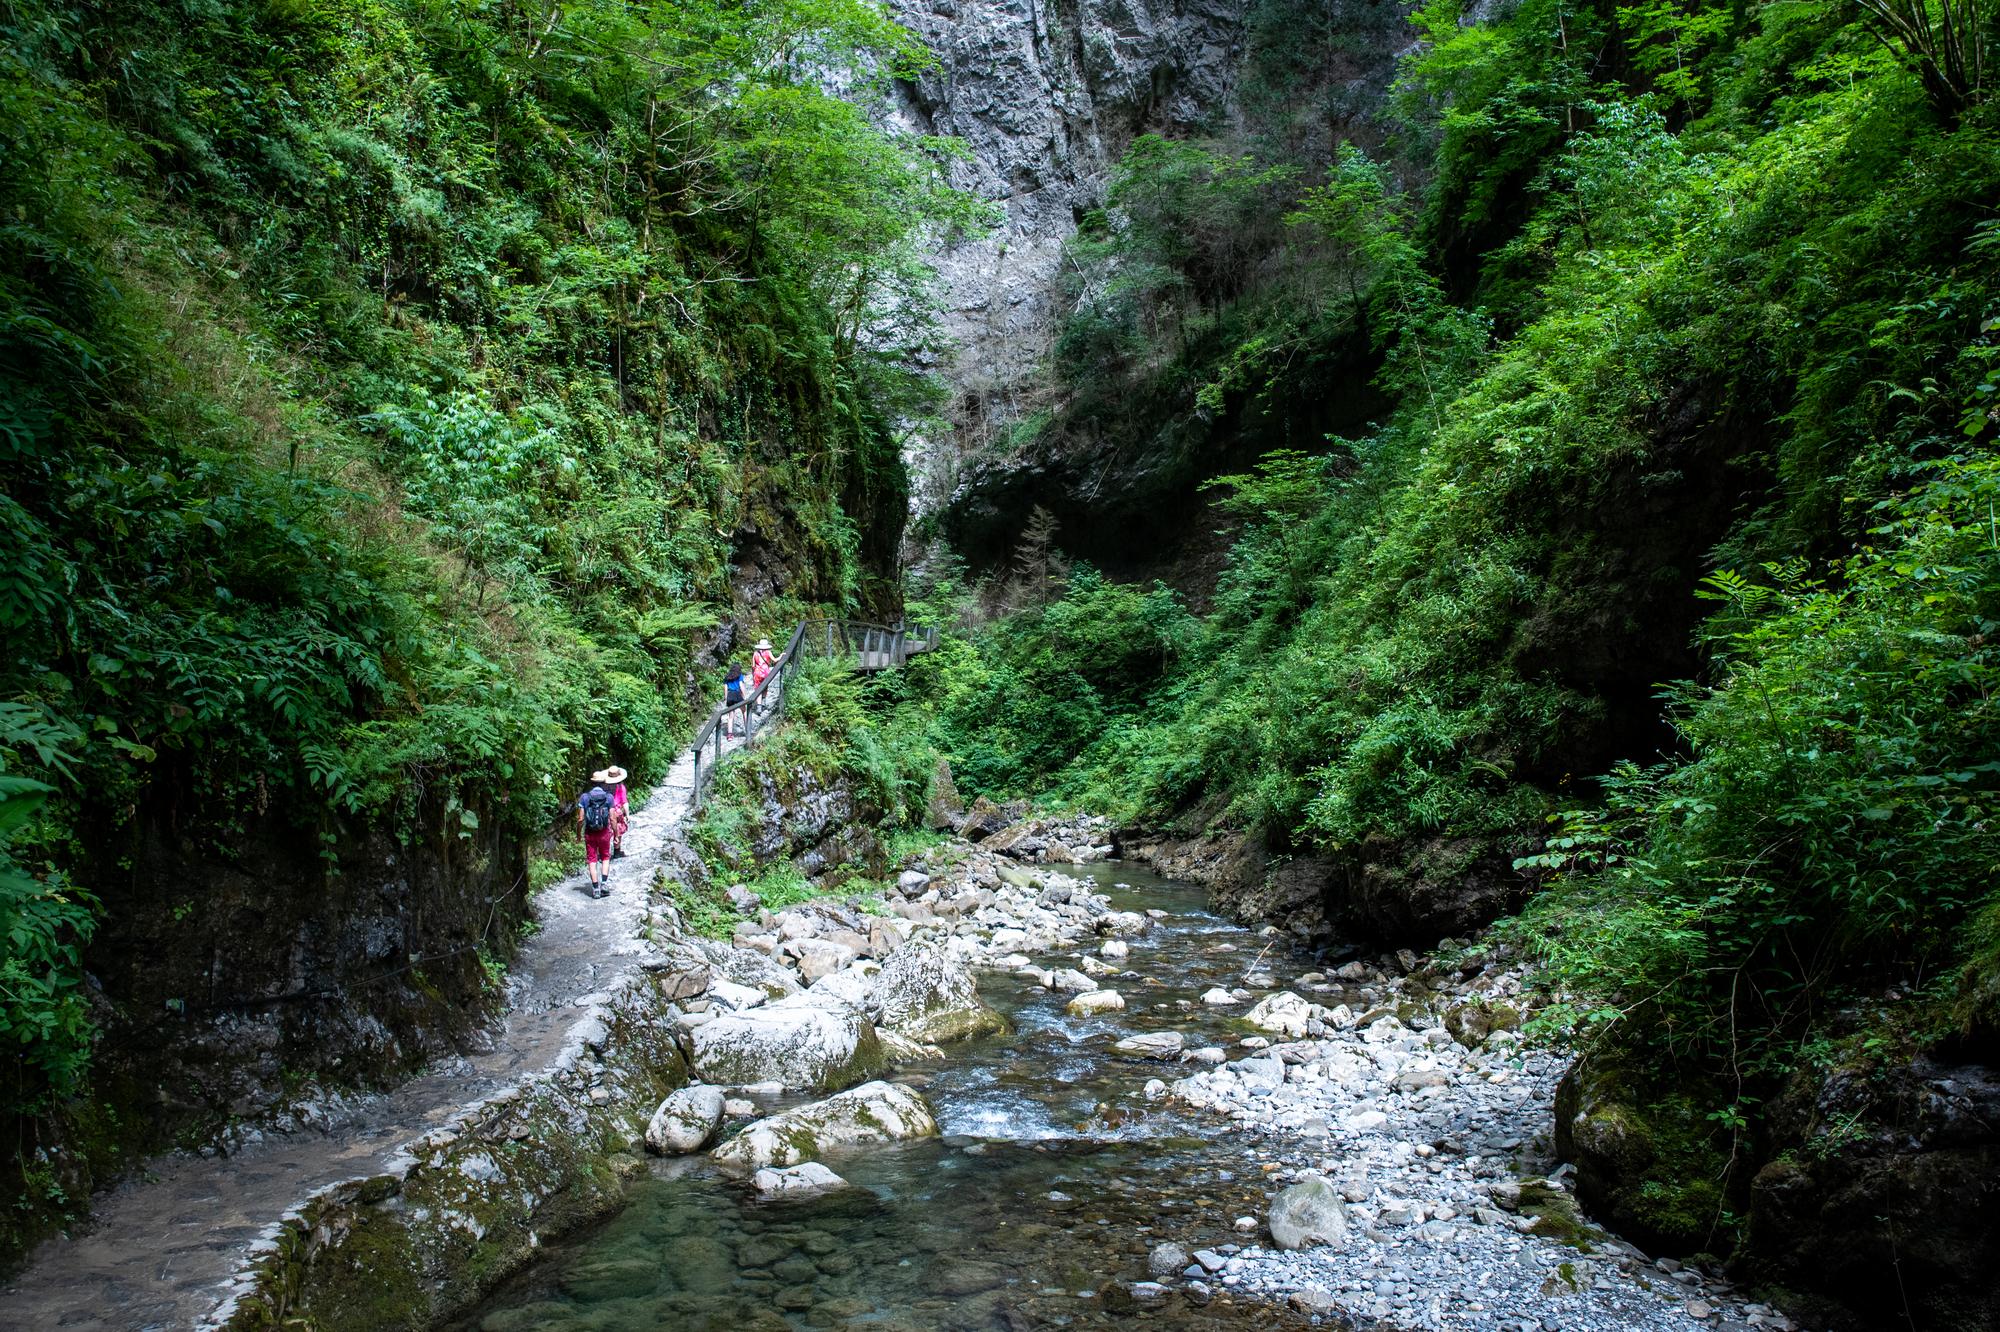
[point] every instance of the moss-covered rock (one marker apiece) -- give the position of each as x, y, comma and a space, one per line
1649, 1162
872, 1113
468, 1205
821, 1048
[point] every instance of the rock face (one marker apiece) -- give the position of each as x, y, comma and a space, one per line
685, 1121
1045, 100
799, 1046
926, 994
873, 1112
1309, 1212
1888, 1191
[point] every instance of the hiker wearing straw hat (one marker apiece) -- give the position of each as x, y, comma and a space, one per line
762, 662
594, 812
614, 777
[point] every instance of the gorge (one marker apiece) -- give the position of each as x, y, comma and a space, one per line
1453, 788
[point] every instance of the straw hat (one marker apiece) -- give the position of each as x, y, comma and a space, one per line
600, 776
614, 775
763, 645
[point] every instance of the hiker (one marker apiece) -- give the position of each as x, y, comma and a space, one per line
762, 662
732, 697
594, 811
614, 777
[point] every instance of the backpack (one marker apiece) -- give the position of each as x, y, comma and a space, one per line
735, 690
596, 810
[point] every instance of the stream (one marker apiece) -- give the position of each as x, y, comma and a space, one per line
1053, 1182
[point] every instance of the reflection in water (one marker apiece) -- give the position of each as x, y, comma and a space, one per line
1055, 1180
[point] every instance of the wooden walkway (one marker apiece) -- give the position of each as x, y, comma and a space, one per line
865, 646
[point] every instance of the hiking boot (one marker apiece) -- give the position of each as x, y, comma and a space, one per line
618, 853
601, 890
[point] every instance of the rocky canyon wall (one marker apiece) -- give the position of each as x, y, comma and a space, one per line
1045, 97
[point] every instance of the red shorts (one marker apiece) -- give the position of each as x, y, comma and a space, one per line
596, 846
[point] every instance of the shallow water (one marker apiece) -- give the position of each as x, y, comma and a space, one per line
1055, 1179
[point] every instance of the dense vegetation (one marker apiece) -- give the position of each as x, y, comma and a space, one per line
1677, 532
386, 388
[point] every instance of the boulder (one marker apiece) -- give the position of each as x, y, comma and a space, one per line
926, 994
821, 1047
1153, 1044
872, 1112
1283, 1013
797, 1181
820, 957
1096, 1001
1069, 978
981, 821
1309, 1212
943, 810
911, 883
686, 1121
853, 985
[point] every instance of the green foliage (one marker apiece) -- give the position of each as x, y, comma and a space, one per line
45, 921
383, 387
1684, 286
1832, 829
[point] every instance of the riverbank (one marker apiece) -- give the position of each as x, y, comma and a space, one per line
1396, 1094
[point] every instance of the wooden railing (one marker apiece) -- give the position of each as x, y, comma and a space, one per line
873, 647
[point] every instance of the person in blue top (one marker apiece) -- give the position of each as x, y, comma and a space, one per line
732, 695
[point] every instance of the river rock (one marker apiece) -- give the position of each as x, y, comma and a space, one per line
1152, 1044
926, 994
1114, 949
1219, 997
1074, 981
1096, 1001
817, 1047
853, 985
872, 1112
1283, 1013
819, 958
1166, 1261
685, 1121
1309, 1212
797, 1181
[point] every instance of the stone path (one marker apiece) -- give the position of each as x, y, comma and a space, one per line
161, 1250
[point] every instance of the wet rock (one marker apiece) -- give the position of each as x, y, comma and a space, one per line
873, 1112
1218, 997
1074, 981
686, 1121
797, 1047
1166, 1260
1283, 1013
1307, 1213
1114, 949
964, 1277
1096, 1001
796, 1181
926, 994
1152, 1044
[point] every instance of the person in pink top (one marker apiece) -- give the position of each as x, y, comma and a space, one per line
762, 662
614, 777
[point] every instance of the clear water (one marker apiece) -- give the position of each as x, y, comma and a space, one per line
1053, 1182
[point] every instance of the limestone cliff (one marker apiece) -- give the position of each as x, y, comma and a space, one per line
1045, 96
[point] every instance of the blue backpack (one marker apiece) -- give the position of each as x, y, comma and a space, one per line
596, 809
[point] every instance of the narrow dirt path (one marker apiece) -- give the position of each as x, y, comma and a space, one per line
162, 1249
